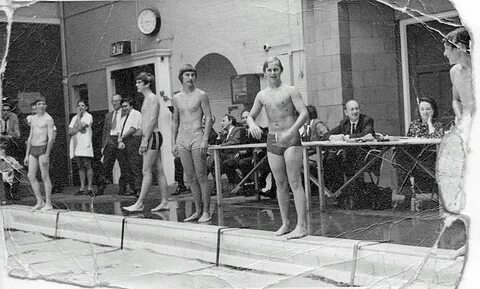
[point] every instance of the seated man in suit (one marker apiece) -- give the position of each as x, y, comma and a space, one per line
233, 135
355, 125
245, 157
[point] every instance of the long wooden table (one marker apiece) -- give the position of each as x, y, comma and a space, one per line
398, 142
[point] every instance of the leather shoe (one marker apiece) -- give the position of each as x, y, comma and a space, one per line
101, 189
79, 193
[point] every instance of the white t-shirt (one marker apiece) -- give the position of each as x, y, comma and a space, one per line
81, 143
134, 120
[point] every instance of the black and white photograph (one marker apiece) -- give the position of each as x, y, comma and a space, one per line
239, 144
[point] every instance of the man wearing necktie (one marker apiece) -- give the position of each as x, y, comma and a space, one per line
234, 135
110, 151
129, 140
231, 134
355, 125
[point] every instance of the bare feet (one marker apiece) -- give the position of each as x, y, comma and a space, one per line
39, 205
283, 230
298, 233
47, 207
162, 207
205, 218
193, 217
134, 208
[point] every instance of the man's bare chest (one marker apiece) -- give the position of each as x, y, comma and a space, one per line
188, 104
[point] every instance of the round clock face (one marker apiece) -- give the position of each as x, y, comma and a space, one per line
148, 21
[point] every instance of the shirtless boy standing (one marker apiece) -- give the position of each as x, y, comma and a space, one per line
190, 140
286, 113
452, 156
39, 145
457, 50
150, 145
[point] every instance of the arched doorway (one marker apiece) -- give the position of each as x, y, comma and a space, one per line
214, 72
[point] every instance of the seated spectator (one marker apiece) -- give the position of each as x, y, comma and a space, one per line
425, 126
355, 125
232, 135
313, 129
10, 131
10, 170
245, 157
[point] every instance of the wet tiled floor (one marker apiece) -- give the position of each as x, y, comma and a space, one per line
397, 225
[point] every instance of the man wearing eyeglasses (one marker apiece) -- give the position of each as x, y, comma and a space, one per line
110, 151
129, 141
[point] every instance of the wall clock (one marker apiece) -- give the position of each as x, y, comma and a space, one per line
149, 21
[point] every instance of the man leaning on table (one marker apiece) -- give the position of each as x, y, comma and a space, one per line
355, 125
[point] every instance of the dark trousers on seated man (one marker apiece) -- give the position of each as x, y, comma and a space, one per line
228, 166
353, 161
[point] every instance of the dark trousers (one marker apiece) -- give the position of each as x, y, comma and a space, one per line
354, 159
111, 153
131, 162
228, 166
179, 173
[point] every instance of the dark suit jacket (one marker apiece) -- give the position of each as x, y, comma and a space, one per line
364, 127
238, 136
212, 137
107, 124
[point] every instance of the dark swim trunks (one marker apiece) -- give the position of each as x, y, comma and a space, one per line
36, 151
274, 148
155, 141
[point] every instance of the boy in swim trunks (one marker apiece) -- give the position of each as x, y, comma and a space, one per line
190, 139
39, 145
286, 113
150, 145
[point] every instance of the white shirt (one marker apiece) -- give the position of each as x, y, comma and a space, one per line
352, 125
229, 132
134, 120
81, 143
118, 127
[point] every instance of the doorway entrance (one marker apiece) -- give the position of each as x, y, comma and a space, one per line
124, 83
429, 69
425, 71
120, 76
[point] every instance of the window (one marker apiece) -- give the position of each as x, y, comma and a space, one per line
80, 92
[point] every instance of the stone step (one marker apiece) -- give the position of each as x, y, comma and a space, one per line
332, 258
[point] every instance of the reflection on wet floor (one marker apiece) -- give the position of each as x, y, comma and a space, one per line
401, 227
